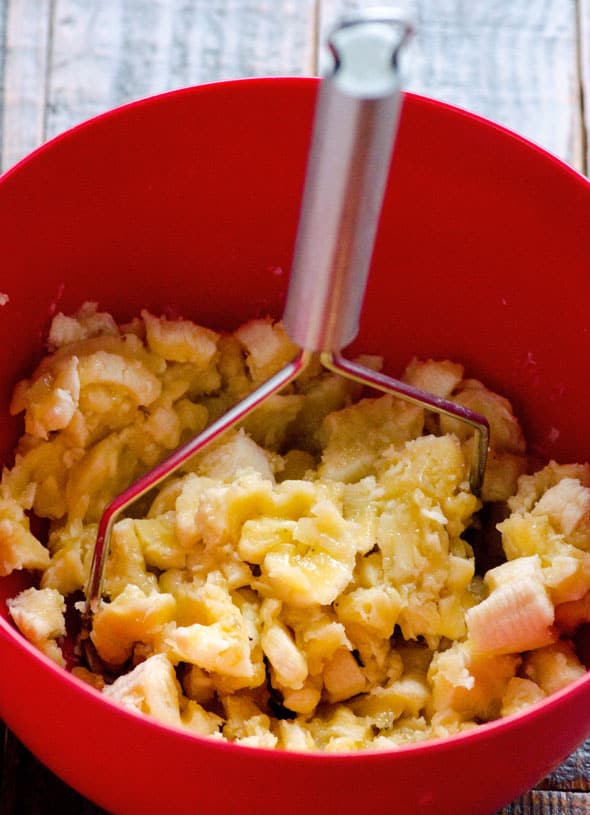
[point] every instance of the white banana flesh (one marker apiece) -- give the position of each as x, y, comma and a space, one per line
517, 615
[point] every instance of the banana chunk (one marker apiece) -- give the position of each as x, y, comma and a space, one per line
567, 505
517, 615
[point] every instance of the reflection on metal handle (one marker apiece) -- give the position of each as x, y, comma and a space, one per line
355, 123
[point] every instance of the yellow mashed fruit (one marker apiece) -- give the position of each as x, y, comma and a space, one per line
307, 582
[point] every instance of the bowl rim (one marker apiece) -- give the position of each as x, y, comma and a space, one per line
416, 99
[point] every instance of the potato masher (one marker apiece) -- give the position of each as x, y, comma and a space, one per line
354, 129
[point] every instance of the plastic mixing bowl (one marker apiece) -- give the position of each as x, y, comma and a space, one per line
187, 203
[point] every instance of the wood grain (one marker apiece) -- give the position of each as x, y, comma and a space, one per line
25, 27
29, 788
573, 775
550, 803
584, 77
514, 62
68, 60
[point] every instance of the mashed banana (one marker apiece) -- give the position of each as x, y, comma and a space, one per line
307, 582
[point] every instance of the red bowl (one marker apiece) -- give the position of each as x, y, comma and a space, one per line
188, 203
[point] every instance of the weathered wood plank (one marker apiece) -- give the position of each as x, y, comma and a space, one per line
29, 788
550, 803
107, 52
3, 38
8, 771
584, 57
27, 28
513, 62
67, 60
573, 774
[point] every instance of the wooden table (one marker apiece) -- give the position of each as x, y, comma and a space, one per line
523, 63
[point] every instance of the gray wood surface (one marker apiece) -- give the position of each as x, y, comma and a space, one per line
522, 63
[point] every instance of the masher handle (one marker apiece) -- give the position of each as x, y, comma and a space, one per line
354, 129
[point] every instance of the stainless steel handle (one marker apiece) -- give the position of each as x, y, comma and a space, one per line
355, 124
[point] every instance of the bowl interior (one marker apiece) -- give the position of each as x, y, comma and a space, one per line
187, 204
